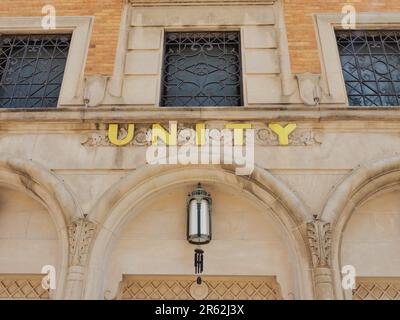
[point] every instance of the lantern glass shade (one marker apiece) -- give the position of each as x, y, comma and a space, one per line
199, 219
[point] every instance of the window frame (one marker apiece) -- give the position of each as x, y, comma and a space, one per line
379, 82
80, 28
200, 29
332, 74
38, 62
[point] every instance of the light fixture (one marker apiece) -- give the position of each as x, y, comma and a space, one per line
199, 216
199, 225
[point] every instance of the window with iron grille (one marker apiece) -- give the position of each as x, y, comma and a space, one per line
371, 66
202, 69
32, 69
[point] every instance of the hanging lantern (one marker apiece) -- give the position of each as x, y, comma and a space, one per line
199, 216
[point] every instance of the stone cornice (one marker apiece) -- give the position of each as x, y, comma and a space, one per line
151, 114
149, 3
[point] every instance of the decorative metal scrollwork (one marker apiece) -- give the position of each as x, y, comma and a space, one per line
32, 69
202, 69
371, 66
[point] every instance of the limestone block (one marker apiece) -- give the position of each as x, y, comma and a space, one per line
259, 37
263, 89
142, 62
140, 89
203, 15
262, 61
145, 38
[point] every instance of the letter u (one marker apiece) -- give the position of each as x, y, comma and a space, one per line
113, 130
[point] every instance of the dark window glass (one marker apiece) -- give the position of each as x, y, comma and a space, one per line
32, 69
201, 69
371, 66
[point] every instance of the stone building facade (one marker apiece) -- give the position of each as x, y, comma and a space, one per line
317, 206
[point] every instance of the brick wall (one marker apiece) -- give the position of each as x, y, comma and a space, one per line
105, 30
301, 31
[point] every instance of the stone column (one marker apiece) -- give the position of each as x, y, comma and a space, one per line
319, 237
81, 233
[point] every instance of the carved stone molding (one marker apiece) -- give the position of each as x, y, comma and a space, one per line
319, 237
81, 233
300, 137
22, 286
100, 138
142, 137
377, 288
212, 288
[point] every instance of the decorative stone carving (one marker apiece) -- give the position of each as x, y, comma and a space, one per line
142, 137
186, 135
377, 288
95, 139
265, 137
319, 237
309, 88
21, 286
81, 233
212, 288
95, 90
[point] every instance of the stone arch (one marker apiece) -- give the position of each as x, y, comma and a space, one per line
45, 187
111, 211
361, 184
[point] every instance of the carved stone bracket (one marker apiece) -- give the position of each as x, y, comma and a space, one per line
319, 238
94, 90
81, 233
309, 88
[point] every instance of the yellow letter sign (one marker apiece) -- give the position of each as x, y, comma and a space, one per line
283, 133
113, 134
168, 138
238, 133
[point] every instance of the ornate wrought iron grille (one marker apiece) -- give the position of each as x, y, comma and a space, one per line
371, 66
32, 69
202, 69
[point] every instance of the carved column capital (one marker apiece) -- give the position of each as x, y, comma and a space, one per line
80, 233
320, 241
